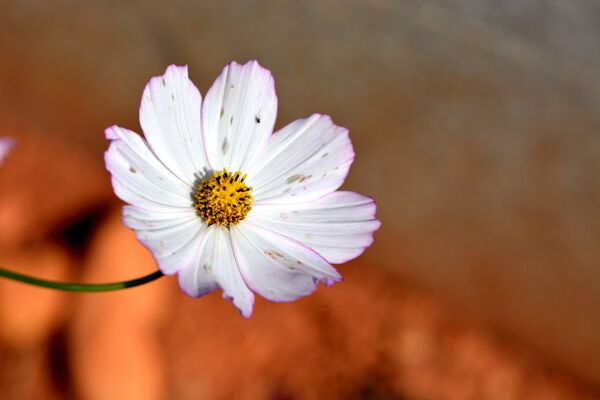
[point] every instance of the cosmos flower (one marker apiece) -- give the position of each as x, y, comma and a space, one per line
5, 145
225, 203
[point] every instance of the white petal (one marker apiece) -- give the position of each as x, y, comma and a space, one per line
338, 226
173, 237
216, 266
5, 145
138, 177
238, 115
170, 119
305, 160
278, 268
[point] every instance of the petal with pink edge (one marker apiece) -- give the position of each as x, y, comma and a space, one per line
215, 267
305, 160
276, 267
5, 145
138, 177
173, 237
170, 119
339, 226
238, 115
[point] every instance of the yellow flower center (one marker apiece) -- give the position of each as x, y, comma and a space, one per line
223, 199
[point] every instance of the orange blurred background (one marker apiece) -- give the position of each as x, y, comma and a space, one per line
476, 130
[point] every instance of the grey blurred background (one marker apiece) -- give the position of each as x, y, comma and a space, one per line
476, 126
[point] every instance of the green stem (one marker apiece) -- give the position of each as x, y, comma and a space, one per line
80, 287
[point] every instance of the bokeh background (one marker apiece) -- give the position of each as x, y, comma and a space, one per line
476, 127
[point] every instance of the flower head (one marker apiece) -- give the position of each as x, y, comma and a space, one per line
227, 204
5, 145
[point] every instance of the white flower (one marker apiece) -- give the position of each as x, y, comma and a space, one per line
5, 145
224, 202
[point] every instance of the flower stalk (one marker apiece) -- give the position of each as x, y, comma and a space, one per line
80, 287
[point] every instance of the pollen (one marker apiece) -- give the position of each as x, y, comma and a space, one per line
224, 198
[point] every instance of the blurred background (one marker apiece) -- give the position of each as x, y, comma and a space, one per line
477, 130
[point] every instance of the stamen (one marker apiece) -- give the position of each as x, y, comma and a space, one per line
223, 199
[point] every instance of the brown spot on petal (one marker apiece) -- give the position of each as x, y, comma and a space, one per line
294, 178
224, 146
273, 254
